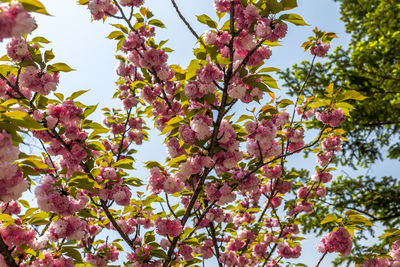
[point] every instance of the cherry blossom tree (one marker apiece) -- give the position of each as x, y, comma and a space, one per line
225, 190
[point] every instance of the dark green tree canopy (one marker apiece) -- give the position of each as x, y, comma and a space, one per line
371, 66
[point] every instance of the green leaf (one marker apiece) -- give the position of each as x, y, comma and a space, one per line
149, 237
5, 58
48, 55
352, 94
138, 25
77, 94
245, 117
73, 253
177, 160
159, 253
207, 20
285, 102
210, 98
346, 107
157, 23
124, 164
269, 69
40, 39
174, 120
24, 120
328, 219
153, 164
59, 96
390, 232
359, 219
274, 6
329, 90
35, 162
294, 18
138, 84
115, 35
82, 183
121, 27
89, 110
7, 69
271, 82
6, 219
34, 6
194, 65
96, 145
289, 4
153, 198
40, 218
59, 67
24, 203
223, 60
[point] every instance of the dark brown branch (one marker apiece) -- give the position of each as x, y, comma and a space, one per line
115, 224
7, 254
320, 260
214, 239
184, 20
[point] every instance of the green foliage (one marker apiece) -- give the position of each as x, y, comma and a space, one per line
368, 70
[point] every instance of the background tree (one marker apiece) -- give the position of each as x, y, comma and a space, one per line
370, 65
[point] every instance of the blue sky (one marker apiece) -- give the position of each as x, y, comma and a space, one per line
82, 45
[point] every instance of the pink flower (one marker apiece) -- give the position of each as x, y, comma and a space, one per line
200, 124
338, 241
15, 21
186, 252
285, 251
16, 235
99, 8
237, 91
235, 245
187, 134
322, 176
332, 143
228, 259
168, 227
334, 118
70, 228
51, 198
324, 158
17, 49
376, 262
222, 5
49, 260
209, 73
395, 250
319, 50
37, 81
136, 3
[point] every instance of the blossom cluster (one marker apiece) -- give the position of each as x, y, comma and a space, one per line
15, 21
218, 171
13, 183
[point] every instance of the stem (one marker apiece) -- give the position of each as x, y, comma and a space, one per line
184, 20
214, 239
320, 260
121, 144
302, 89
169, 206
